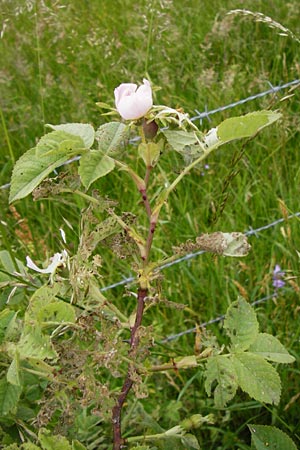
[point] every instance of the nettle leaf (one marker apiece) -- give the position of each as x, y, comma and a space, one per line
270, 348
110, 136
84, 130
220, 369
9, 397
94, 165
241, 324
265, 437
245, 126
52, 151
257, 377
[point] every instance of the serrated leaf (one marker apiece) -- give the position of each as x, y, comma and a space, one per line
50, 442
9, 397
265, 437
83, 130
220, 369
241, 324
257, 377
245, 126
32, 167
110, 136
94, 165
270, 348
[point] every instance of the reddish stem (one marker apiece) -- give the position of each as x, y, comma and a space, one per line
118, 441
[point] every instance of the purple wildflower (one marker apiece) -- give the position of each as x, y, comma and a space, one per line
278, 274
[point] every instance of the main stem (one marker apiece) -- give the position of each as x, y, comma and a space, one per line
118, 441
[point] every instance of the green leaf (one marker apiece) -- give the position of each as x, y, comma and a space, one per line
13, 374
149, 152
110, 136
269, 347
221, 370
33, 343
245, 126
52, 151
50, 442
257, 377
264, 437
84, 130
9, 397
40, 367
59, 142
94, 165
45, 307
6, 318
186, 143
190, 442
76, 445
8, 263
241, 324
30, 446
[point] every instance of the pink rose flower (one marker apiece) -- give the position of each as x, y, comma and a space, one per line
133, 102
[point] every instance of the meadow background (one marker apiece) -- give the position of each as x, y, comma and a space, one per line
58, 58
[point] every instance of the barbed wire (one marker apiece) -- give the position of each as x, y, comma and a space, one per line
192, 255
273, 90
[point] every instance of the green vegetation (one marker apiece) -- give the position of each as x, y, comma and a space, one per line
59, 60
